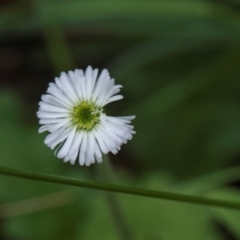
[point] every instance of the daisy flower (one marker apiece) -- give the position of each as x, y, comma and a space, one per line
73, 112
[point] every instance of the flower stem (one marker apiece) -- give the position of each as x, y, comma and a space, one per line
57, 46
105, 172
35, 204
121, 189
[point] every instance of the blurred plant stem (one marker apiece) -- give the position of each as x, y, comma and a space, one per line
105, 173
208, 182
58, 48
53, 33
121, 189
35, 204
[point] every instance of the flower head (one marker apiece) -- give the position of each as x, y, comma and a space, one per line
73, 112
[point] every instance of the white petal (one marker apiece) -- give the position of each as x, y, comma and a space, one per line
43, 114
66, 122
91, 145
128, 117
53, 139
66, 146
78, 74
67, 87
82, 155
89, 84
49, 120
104, 92
75, 83
99, 160
83, 87
54, 101
104, 76
120, 120
110, 92
100, 142
43, 129
50, 108
113, 99
98, 153
76, 147
111, 145
116, 89
59, 94
94, 77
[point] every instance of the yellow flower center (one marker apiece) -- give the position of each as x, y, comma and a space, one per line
86, 115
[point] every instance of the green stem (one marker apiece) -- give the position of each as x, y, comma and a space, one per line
106, 174
35, 204
59, 50
210, 181
121, 189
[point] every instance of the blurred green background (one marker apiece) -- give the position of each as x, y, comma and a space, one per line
179, 64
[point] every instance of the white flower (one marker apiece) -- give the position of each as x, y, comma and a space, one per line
72, 111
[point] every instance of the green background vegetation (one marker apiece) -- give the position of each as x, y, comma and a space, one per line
179, 64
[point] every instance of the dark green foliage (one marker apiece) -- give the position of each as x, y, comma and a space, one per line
178, 62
